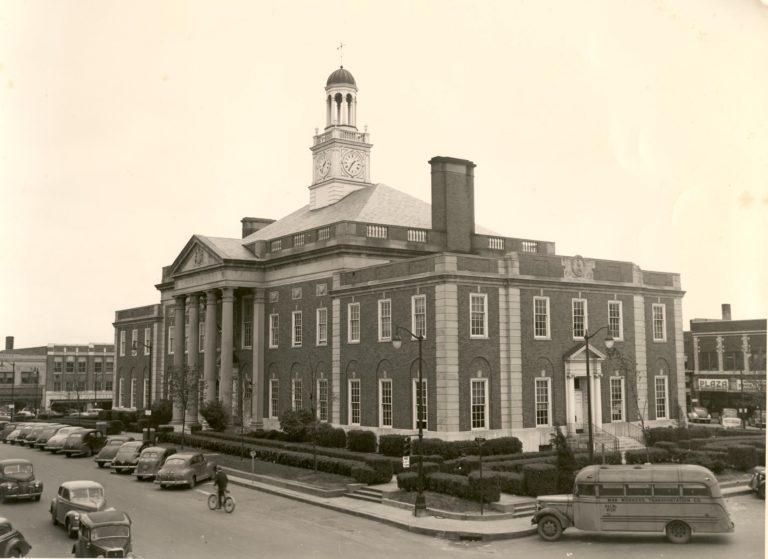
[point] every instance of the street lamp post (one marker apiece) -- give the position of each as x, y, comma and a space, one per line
609, 345
420, 506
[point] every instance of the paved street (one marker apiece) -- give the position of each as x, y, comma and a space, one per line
177, 522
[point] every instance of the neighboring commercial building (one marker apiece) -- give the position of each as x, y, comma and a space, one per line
136, 337
725, 362
79, 376
22, 376
301, 312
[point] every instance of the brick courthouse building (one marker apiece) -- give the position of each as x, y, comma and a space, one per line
301, 311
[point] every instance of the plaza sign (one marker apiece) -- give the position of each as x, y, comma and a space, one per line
713, 384
731, 385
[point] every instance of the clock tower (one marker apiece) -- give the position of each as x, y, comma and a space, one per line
341, 155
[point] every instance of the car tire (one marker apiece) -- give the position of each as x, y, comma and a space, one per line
678, 532
71, 533
549, 528
15, 551
162, 486
761, 491
194, 482
100, 464
37, 497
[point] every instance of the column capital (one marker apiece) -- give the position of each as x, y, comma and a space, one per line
228, 293
180, 299
193, 299
259, 294
210, 296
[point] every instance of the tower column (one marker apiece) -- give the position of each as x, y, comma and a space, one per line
227, 339
178, 352
353, 112
193, 349
209, 360
328, 110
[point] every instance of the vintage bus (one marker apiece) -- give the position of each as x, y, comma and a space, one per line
677, 500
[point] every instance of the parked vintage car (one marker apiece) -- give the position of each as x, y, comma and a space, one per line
31, 437
128, 456
8, 428
84, 443
699, 414
45, 435
151, 460
184, 469
103, 534
757, 483
12, 542
73, 499
108, 452
17, 481
730, 422
56, 442
21, 431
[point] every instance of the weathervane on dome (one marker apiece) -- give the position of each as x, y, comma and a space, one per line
340, 48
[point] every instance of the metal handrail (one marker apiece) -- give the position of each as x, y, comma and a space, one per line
610, 441
629, 430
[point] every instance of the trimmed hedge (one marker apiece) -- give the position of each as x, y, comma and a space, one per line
408, 481
509, 482
716, 462
392, 445
540, 479
676, 434
361, 441
487, 487
331, 437
668, 445
742, 457
651, 454
428, 446
114, 427
369, 476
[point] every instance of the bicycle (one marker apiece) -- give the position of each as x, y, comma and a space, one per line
229, 502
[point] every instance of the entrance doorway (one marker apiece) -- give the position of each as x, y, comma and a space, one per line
580, 403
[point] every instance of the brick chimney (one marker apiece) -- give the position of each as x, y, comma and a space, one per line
453, 201
253, 224
8, 343
726, 311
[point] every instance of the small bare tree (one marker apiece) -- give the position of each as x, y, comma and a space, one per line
184, 386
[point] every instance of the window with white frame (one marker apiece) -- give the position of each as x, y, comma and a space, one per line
617, 398
81, 364
659, 322
385, 402
98, 365
662, 405
354, 402
109, 365
478, 315
420, 395
146, 401
296, 329
171, 333
134, 386
419, 315
543, 402
247, 341
385, 320
296, 386
479, 401
321, 331
121, 391
322, 399
274, 330
134, 341
353, 323
58, 364
274, 397
201, 335
615, 320
122, 343
541, 318
70, 367
147, 340
579, 317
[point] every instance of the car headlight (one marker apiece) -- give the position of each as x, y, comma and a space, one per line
6, 485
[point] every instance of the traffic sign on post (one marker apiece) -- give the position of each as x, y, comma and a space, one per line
406, 462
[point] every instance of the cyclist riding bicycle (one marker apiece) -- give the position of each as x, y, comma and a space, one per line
220, 480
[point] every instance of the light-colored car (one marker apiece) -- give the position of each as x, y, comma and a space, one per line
730, 422
127, 456
21, 431
757, 483
699, 414
186, 468
73, 499
56, 442
45, 435
106, 454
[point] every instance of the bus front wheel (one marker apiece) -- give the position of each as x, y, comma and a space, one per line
678, 532
550, 528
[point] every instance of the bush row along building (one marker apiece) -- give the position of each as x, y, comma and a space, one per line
301, 313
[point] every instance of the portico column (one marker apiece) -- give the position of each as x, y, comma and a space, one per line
178, 351
193, 346
257, 375
209, 360
227, 327
569, 403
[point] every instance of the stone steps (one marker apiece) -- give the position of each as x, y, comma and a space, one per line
365, 494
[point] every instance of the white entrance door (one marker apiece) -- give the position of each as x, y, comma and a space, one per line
579, 397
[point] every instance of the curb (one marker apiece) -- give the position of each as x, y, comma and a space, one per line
446, 534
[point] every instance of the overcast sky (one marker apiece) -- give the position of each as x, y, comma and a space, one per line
631, 130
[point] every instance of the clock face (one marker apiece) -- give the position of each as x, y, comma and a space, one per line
352, 163
322, 167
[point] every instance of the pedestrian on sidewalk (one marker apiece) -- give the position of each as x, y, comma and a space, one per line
220, 480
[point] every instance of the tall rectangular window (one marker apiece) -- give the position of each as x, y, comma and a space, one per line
274, 397
478, 315
296, 401
171, 335
420, 395
385, 402
108, 382
147, 340
296, 329
98, 365
134, 385
81, 364
543, 399
541, 318
247, 332
660, 383
617, 399
385, 320
321, 333
274, 330
579, 317
109, 365
58, 364
134, 342
354, 402
353, 323
70, 364
146, 395
122, 343
659, 323
120, 392
322, 399
479, 399
201, 335
419, 315
615, 320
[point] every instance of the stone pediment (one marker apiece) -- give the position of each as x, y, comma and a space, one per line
196, 254
578, 353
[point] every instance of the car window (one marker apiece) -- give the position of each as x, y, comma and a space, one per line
175, 462
64, 493
149, 455
638, 489
110, 532
611, 490
87, 494
695, 491
18, 469
666, 490
4, 528
586, 489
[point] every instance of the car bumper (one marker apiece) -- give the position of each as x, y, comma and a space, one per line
25, 495
130, 467
73, 452
172, 481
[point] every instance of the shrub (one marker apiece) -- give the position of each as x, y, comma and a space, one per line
518, 465
487, 487
742, 457
565, 461
295, 424
456, 449
502, 445
509, 482
332, 437
668, 445
540, 479
408, 481
449, 484
213, 412
761, 456
651, 454
436, 458
114, 427
370, 476
381, 464
359, 440
713, 461
391, 445
428, 446
162, 412
582, 459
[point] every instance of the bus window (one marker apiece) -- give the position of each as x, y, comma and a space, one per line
611, 490
587, 489
695, 491
638, 489
666, 490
